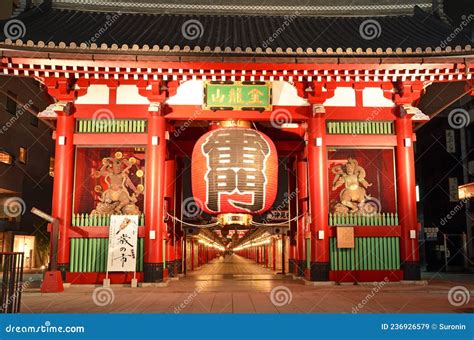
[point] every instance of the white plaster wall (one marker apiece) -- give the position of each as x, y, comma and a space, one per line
283, 93
128, 94
96, 94
373, 97
190, 92
343, 96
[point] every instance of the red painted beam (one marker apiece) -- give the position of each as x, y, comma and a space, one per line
96, 277
371, 231
365, 275
359, 113
195, 112
361, 140
111, 111
203, 65
186, 112
110, 139
284, 147
96, 232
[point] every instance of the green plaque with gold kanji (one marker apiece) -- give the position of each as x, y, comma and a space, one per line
237, 95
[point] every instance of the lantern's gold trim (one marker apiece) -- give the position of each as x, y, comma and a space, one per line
230, 218
235, 123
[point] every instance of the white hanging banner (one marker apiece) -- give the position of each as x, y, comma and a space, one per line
123, 237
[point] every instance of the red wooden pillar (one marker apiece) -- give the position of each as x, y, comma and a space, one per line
409, 251
302, 175
198, 259
293, 211
170, 199
154, 198
318, 190
192, 254
266, 255
273, 254
178, 211
63, 186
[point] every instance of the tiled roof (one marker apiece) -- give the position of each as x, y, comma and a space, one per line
51, 28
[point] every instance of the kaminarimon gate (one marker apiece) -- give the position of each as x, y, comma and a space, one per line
284, 134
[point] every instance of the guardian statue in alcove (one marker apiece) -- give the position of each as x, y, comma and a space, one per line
353, 196
117, 199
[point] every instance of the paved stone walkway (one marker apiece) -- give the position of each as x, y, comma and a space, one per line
237, 285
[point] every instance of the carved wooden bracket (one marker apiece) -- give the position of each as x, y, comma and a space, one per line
315, 92
403, 92
157, 91
65, 90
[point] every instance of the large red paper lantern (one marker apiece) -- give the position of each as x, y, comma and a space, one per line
234, 170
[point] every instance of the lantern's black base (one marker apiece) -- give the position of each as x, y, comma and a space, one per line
153, 272
63, 268
411, 271
319, 271
300, 267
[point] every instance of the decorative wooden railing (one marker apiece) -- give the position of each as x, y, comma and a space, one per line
369, 253
360, 128
110, 125
88, 220
382, 219
90, 255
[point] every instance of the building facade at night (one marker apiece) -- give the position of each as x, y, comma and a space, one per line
282, 133
26, 154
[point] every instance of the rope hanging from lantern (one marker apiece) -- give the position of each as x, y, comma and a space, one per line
203, 226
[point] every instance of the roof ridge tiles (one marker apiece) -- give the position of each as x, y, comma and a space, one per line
247, 7
56, 29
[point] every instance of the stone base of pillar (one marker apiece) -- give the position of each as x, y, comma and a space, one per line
319, 271
179, 266
63, 268
171, 268
300, 267
153, 272
411, 271
291, 266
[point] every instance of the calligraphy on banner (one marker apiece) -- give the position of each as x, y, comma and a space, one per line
236, 95
123, 237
